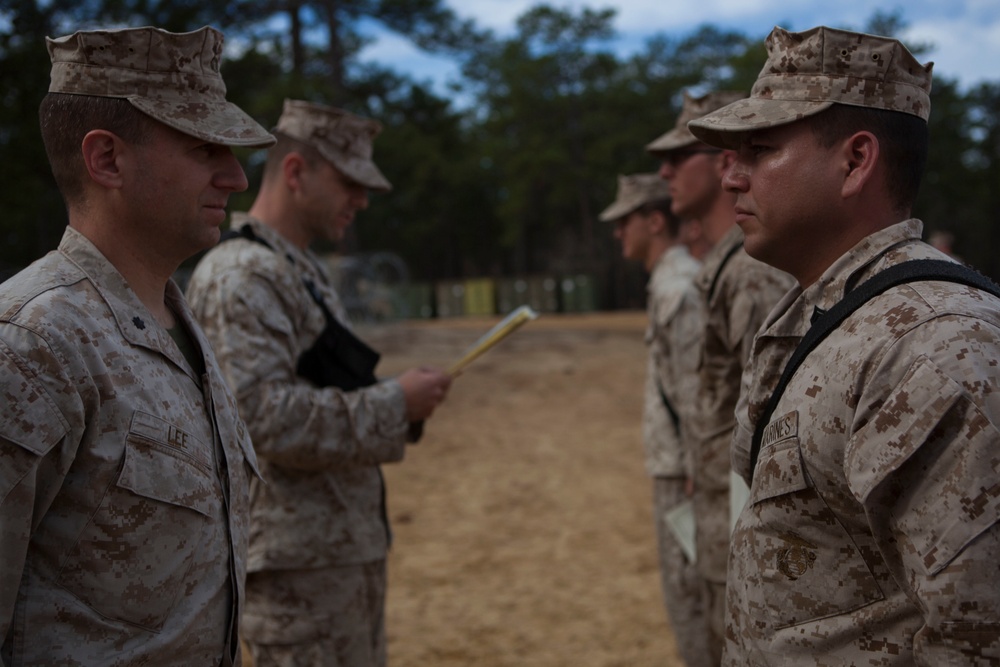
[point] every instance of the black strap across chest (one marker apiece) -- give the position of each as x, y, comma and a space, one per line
718, 272
907, 272
338, 358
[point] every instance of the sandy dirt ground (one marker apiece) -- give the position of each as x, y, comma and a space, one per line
522, 520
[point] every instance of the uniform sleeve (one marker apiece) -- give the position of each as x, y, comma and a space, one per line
671, 374
30, 429
253, 330
685, 335
746, 292
681, 368
926, 465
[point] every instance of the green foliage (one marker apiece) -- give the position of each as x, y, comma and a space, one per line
33, 215
960, 194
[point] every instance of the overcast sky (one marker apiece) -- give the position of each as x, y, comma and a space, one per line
965, 34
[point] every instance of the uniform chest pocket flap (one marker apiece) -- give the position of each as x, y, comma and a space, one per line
132, 558
800, 551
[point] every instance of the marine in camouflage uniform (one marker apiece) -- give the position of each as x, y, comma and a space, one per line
650, 233
734, 292
871, 536
124, 465
320, 534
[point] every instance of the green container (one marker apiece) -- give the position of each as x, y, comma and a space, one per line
578, 293
416, 301
539, 292
450, 297
508, 297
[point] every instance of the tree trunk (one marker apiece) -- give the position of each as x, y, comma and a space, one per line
294, 10
335, 54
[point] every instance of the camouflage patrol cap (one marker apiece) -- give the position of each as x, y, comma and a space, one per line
172, 77
634, 191
341, 137
693, 107
808, 72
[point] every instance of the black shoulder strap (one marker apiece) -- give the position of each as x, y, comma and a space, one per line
350, 350
725, 260
674, 417
907, 272
244, 232
247, 232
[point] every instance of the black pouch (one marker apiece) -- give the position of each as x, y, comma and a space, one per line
338, 358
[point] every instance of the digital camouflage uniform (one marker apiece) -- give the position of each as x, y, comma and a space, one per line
673, 336
124, 472
871, 535
123, 476
320, 514
736, 294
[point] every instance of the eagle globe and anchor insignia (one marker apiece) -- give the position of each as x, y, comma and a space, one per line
795, 559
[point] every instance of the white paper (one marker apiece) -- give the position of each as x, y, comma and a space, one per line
681, 521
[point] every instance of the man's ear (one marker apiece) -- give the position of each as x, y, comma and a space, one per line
292, 168
656, 222
859, 153
102, 152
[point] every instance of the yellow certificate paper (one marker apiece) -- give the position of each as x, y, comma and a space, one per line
506, 327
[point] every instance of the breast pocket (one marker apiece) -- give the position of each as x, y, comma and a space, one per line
808, 564
132, 558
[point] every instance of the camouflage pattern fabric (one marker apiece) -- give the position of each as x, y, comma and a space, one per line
172, 77
808, 72
872, 536
745, 290
319, 448
673, 336
124, 477
693, 107
634, 191
332, 617
344, 139
681, 584
736, 295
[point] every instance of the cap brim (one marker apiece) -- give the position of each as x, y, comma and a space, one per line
671, 141
723, 128
218, 122
618, 209
360, 171
373, 179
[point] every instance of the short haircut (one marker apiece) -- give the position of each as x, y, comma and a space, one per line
663, 206
285, 145
66, 119
903, 140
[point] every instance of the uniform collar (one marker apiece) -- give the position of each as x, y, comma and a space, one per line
795, 313
306, 260
716, 257
860, 262
135, 322
668, 261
